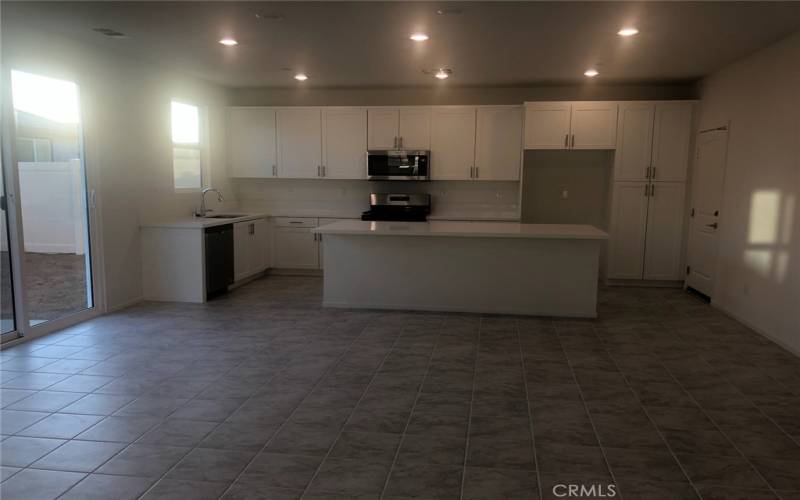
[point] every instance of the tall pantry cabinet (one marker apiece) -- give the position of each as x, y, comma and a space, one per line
648, 193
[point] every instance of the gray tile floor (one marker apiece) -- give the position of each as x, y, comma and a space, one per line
263, 394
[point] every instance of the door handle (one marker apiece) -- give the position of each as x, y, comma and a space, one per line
714, 225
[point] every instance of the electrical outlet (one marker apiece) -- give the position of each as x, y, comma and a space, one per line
564, 194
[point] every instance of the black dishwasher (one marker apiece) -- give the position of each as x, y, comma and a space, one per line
219, 259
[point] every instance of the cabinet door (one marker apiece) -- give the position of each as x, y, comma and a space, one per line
415, 128
295, 248
594, 125
671, 138
321, 240
252, 150
382, 128
452, 143
547, 125
344, 143
299, 142
241, 244
665, 217
498, 143
628, 228
634, 141
259, 246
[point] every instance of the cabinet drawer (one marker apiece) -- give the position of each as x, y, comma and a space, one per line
296, 221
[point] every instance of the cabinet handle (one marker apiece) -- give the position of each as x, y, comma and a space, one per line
652, 189
274, 171
647, 172
323, 171
653, 173
295, 222
252, 229
566, 141
477, 172
646, 190
395, 143
401, 142
471, 172
573, 140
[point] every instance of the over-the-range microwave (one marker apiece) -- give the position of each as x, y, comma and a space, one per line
398, 165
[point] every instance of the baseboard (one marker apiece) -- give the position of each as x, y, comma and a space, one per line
125, 305
768, 336
295, 272
646, 283
467, 310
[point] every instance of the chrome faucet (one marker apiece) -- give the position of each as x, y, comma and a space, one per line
203, 211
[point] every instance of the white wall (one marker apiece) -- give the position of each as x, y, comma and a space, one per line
758, 272
126, 112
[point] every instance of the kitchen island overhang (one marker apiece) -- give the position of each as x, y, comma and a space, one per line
475, 267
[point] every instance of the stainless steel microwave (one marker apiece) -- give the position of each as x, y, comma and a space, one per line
398, 165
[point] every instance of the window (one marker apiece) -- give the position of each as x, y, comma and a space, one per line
187, 153
34, 149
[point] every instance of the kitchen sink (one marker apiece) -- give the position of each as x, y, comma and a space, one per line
223, 216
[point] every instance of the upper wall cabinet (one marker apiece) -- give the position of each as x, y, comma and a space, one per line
653, 141
453, 143
399, 128
252, 147
570, 125
498, 143
344, 143
672, 135
299, 143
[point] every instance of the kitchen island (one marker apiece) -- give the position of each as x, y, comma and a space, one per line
480, 267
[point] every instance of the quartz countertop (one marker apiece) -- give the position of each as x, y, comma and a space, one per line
465, 229
204, 222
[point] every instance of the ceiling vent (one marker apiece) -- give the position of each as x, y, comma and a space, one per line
110, 33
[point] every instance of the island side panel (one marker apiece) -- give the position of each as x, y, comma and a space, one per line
173, 264
531, 276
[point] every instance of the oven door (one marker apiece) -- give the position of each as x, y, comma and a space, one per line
398, 165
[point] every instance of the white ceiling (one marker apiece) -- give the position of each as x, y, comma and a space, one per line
366, 43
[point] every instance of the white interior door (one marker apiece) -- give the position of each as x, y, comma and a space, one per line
634, 141
299, 142
453, 143
344, 141
665, 215
672, 134
498, 143
707, 185
252, 150
628, 229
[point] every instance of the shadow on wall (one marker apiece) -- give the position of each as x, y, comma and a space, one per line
566, 187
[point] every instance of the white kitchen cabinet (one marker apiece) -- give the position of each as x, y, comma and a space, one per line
594, 125
672, 135
628, 230
399, 128
299, 142
664, 242
453, 143
344, 143
294, 245
570, 125
250, 248
634, 141
252, 146
547, 125
498, 143
414, 128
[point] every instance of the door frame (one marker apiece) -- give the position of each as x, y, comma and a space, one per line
721, 127
91, 173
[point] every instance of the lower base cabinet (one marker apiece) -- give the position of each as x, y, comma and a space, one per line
251, 248
296, 247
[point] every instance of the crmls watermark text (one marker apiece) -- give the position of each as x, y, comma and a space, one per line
585, 490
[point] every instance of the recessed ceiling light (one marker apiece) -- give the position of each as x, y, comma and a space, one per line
228, 42
419, 37
448, 11
442, 74
591, 73
627, 32
301, 77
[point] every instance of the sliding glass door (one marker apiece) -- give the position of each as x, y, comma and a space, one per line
8, 323
51, 211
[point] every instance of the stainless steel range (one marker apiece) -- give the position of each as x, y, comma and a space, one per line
398, 207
